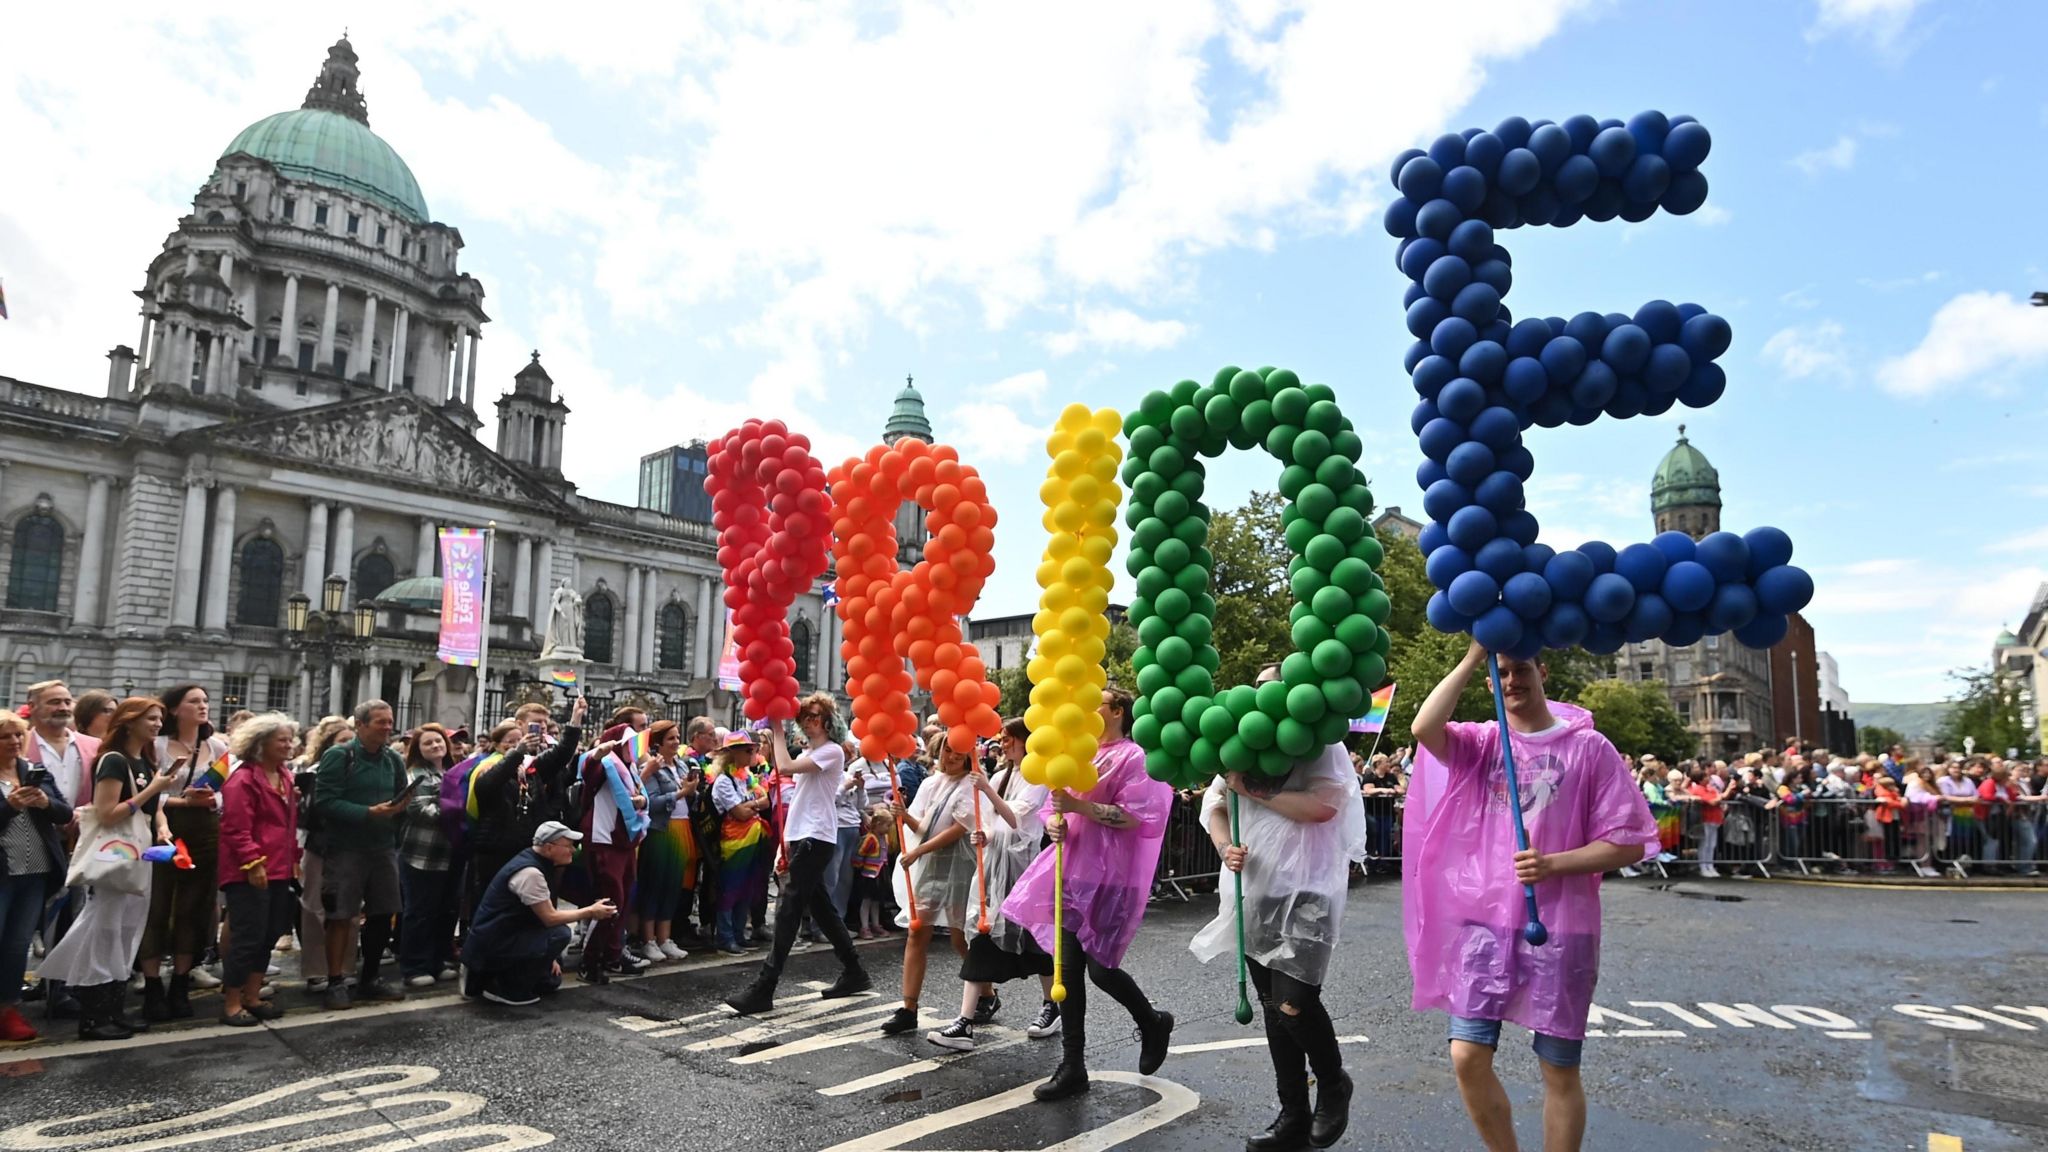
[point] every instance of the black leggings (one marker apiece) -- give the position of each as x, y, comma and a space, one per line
1074, 1012
1299, 1040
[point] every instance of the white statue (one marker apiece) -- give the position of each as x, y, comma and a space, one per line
564, 636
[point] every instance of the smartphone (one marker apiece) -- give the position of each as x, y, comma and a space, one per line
533, 728
405, 794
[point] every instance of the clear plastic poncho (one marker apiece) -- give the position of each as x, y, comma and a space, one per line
941, 878
1296, 875
1008, 853
1461, 906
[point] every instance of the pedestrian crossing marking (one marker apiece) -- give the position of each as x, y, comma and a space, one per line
1006, 1038
830, 1011
1940, 1142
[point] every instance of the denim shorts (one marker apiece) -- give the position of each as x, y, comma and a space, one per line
1555, 1051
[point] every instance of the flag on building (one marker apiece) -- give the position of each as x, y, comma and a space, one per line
1375, 718
463, 596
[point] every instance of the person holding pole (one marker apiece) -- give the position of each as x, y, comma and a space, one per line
1105, 848
1470, 891
1289, 842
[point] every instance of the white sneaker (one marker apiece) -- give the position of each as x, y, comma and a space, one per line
273, 970
652, 953
673, 951
201, 978
447, 974
1709, 873
1629, 872
420, 981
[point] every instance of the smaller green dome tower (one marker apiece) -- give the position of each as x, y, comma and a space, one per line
1685, 494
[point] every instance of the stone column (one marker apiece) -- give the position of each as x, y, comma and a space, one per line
334, 674
522, 576
707, 646
307, 711
222, 559
344, 562
85, 604
213, 349
156, 349
423, 555
626, 641
363, 353
404, 702
469, 385
394, 377
227, 271
323, 357
142, 341
544, 583
315, 564
365, 689
185, 600
288, 325
454, 388
649, 620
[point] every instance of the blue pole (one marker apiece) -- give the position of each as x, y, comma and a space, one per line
1533, 931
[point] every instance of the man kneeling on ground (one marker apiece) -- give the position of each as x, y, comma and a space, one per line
513, 952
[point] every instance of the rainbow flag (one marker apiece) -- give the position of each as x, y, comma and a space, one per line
216, 774
637, 747
563, 677
1375, 718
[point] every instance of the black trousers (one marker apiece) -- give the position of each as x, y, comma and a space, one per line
1297, 1040
808, 889
1074, 1013
256, 917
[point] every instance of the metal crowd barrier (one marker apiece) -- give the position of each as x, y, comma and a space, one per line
1383, 838
1187, 857
1840, 835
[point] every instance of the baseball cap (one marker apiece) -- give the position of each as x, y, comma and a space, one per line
552, 831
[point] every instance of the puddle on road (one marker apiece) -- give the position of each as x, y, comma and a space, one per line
1692, 894
759, 1046
907, 1096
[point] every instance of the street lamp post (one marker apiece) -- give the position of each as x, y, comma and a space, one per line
321, 637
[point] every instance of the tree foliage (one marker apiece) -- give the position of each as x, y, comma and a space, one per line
1990, 707
1638, 718
1015, 682
1250, 586
1876, 738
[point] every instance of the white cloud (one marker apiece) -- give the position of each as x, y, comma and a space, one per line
1898, 283
1882, 23
1924, 619
1574, 507
1979, 338
1801, 297
1113, 328
1839, 157
1805, 351
2035, 540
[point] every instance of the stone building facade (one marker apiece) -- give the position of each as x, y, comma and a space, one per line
301, 403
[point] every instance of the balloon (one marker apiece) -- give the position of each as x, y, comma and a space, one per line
762, 474
1483, 379
913, 614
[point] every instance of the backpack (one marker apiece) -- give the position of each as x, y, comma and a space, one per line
576, 804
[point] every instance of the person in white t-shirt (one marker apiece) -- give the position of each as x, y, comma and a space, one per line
810, 835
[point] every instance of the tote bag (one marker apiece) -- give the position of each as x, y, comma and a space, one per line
110, 855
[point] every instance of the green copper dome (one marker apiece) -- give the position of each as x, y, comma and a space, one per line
1684, 479
907, 418
328, 141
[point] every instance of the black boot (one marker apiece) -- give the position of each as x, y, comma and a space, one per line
1289, 1131
1333, 1111
1152, 1041
179, 999
117, 1009
62, 1004
95, 1017
1069, 1079
852, 981
756, 998
155, 1007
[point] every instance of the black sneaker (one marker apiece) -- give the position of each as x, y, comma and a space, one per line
379, 991
628, 965
901, 1021
986, 1007
1047, 1024
497, 997
959, 1035
851, 982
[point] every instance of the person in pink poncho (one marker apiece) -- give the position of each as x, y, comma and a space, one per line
1461, 887
1112, 834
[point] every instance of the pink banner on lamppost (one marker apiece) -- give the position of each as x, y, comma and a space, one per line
463, 582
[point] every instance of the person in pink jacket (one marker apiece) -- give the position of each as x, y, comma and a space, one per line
259, 856
1461, 889
1112, 835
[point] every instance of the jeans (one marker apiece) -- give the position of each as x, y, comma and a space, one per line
804, 890
1300, 1040
426, 940
2025, 839
1710, 836
1381, 845
522, 978
1791, 841
1552, 1050
731, 927
842, 870
21, 907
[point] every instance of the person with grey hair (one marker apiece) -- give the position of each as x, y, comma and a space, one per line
259, 853
359, 791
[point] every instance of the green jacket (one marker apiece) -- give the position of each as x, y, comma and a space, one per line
349, 780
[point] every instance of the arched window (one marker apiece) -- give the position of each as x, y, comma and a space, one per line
806, 652
673, 639
597, 629
373, 575
262, 583
38, 563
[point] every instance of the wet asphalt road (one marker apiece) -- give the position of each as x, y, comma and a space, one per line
1797, 1017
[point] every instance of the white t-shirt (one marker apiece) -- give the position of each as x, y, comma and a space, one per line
812, 814
531, 887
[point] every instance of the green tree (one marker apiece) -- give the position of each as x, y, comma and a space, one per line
1407, 584
1418, 662
1987, 706
1016, 688
1638, 718
1568, 671
1123, 640
1250, 586
1876, 738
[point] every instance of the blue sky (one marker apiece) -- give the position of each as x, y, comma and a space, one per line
781, 210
